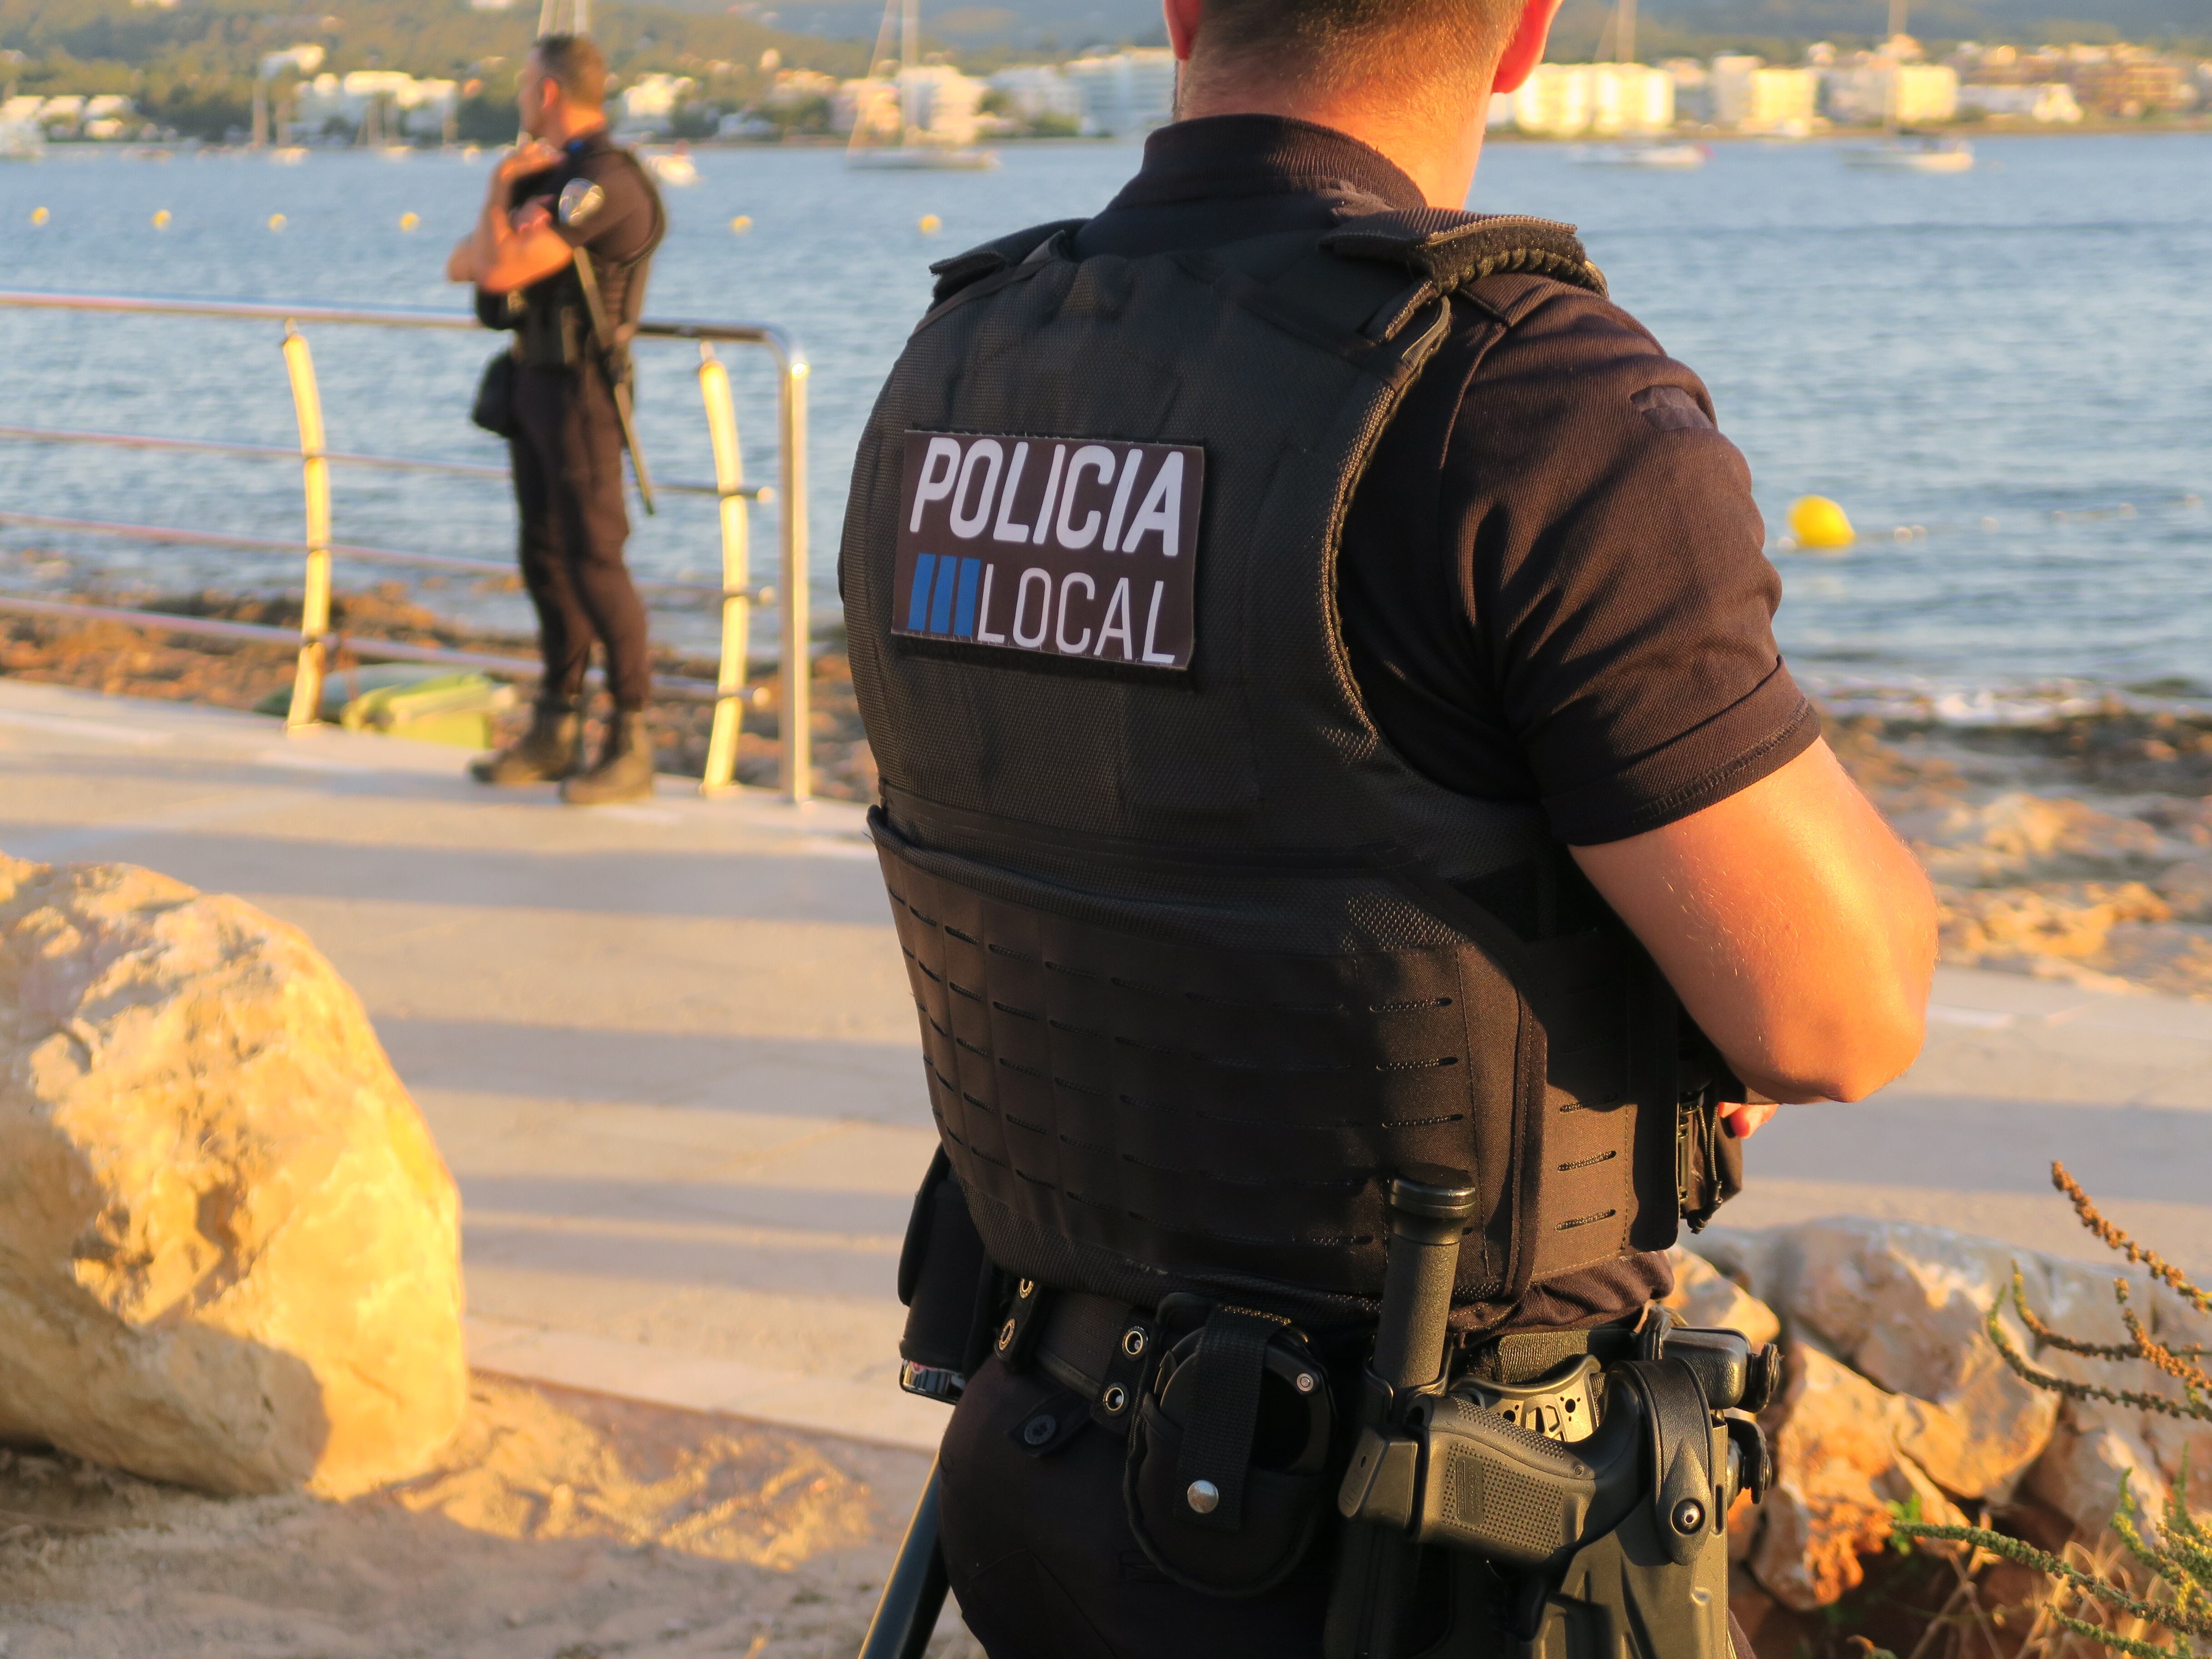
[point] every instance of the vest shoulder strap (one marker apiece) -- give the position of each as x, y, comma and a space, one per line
1455, 250
965, 269
1448, 252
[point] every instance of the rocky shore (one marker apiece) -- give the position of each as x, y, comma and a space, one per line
136, 662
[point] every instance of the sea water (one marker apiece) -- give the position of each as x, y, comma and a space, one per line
2005, 376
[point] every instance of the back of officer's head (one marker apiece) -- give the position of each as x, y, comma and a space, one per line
573, 63
1445, 47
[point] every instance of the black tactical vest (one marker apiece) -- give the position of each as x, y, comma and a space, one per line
552, 325
1200, 960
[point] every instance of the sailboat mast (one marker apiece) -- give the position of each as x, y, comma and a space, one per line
1896, 18
909, 33
1624, 45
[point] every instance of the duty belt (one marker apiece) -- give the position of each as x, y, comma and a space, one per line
1096, 1348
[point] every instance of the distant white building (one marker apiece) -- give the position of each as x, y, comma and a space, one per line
1875, 88
869, 105
1562, 100
938, 102
2051, 102
1693, 89
300, 60
110, 115
405, 105
1751, 96
648, 103
1553, 102
794, 87
1127, 92
60, 116
1034, 92
1501, 112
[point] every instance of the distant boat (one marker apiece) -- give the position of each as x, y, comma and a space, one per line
395, 152
1904, 151
1913, 155
1681, 157
923, 158
672, 166
22, 140
915, 150
288, 156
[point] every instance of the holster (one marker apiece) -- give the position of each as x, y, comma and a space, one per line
949, 1288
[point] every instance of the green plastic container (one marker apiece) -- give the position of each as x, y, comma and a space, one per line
409, 700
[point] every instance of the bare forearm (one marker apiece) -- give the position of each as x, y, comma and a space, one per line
488, 241
1799, 931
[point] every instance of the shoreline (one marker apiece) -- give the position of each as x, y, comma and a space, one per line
128, 661
2076, 845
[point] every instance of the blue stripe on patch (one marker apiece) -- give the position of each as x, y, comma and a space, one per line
963, 616
917, 607
940, 608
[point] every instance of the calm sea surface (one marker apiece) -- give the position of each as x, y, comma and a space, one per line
2017, 361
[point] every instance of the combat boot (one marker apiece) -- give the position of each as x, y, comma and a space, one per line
552, 748
624, 769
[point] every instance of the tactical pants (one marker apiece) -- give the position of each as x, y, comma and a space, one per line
569, 488
1044, 1565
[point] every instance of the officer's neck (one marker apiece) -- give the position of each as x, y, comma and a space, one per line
1438, 154
565, 126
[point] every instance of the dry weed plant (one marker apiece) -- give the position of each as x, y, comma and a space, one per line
2139, 1582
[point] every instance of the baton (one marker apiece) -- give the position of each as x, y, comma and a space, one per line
1375, 1562
615, 384
906, 1616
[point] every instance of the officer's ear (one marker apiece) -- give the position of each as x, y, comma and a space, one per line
1526, 49
1182, 21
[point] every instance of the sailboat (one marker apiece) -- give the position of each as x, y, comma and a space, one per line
914, 148
1900, 152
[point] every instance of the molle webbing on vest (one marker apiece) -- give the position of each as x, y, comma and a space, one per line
1193, 954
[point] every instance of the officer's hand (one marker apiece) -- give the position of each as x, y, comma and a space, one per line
534, 156
532, 214
1743, 1121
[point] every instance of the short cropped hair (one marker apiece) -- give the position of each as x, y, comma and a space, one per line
576, 65
1338, 42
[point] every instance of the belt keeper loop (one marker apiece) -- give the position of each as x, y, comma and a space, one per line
1016, 1342
1135, 1354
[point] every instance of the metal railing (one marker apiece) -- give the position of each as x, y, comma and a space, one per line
317, 642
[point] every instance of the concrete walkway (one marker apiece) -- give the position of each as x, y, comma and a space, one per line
669, 1053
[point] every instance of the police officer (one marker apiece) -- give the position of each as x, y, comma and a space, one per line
569, 187
1318, 652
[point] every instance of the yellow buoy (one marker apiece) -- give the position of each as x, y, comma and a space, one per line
275, 222
38, 215
930, 224
1820, 524
408, 221
161, 219
741, 224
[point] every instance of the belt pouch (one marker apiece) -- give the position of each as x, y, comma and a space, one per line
949, 1285
493, 409
1226, 1480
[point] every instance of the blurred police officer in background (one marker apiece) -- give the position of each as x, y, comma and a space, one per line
1250, 850
568, 188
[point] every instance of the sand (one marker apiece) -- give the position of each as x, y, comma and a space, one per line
559, 1525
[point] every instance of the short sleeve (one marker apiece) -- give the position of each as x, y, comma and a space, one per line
605, 208
1580, 610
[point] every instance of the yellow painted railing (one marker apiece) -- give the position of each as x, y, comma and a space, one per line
735, 593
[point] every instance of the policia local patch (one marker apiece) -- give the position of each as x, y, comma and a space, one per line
1058, 547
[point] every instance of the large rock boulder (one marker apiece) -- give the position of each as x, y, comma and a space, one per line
1904, 1306
229, 1252
1702, 1296
1838, 1471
